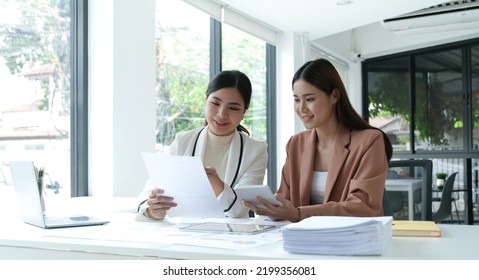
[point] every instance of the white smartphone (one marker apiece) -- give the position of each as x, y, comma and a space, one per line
249, 193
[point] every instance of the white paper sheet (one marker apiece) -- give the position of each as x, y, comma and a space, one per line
229, 241
184, 178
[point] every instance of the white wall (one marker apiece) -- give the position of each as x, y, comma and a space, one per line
374, 40
122, 95
385, 42
290, 56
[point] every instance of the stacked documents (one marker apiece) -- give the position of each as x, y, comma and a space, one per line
334, 235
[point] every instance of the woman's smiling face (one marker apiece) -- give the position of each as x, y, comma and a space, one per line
224, 111
313, 106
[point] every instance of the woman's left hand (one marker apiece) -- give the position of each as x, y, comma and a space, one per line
285, 211
216, 183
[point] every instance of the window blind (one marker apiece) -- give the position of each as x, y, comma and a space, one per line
237, 19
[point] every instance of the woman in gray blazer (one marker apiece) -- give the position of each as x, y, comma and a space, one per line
229, 155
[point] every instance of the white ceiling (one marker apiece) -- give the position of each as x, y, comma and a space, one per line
321, 18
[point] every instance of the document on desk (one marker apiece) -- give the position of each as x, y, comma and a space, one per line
234, 241
230, 241
338, 235
183, 178
149, 234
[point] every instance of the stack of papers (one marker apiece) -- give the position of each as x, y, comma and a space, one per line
338, 235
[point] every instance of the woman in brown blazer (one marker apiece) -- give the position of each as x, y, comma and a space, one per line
338, 166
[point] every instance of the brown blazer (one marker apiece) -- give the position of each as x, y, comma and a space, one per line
356, 176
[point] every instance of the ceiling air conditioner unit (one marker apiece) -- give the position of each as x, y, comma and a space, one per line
448, 16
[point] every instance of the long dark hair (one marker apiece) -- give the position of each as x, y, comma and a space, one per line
322, 74
232, 79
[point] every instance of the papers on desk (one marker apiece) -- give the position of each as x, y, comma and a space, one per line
334, 235
164, 234
183, 178
231, 241
159, 233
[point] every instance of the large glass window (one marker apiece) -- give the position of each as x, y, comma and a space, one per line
439, 101
432, 96
247, 53
389, 109
35, 93
431, 101
183, 48
185, 60
475, 96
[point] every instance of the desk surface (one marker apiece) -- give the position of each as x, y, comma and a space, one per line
124, 238
24, 241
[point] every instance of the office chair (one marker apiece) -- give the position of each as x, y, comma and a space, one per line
419, 169
386, 207
445, 208
392, 201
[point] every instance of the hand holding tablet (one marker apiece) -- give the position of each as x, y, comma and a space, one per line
249, 193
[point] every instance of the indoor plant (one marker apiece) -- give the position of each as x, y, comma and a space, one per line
441, 179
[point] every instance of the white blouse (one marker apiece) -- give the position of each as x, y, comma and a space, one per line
318, 187
217, 152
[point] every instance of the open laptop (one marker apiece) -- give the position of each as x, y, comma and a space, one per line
30, 203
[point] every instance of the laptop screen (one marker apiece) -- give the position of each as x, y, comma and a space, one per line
26, 189
30, 200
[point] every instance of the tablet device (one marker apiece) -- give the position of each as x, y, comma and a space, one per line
229, 228
249, 193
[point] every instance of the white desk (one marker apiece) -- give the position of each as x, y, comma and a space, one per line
113, 241
408, 185
124, 238
457, 242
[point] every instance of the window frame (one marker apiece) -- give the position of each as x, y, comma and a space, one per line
79, 98
468, 152
465, 47
271, 136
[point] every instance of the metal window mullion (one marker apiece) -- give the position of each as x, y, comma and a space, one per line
271, 114
79, 98
215, 47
